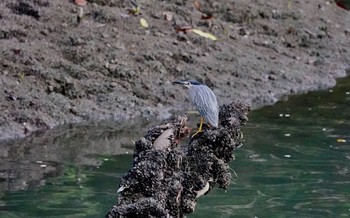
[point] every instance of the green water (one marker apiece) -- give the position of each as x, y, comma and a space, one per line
295, 162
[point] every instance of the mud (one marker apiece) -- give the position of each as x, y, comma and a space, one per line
56, 70
166, 180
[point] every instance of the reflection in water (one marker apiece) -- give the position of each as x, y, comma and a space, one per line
294, 163
27, 163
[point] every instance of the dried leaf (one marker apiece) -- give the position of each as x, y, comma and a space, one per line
143, 23
168, 16
135, 11
206, 17
184, 29
204, 34
80, 14
80, 2
124, 15
345, 4
197, 5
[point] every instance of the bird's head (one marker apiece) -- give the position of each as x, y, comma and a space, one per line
188, 83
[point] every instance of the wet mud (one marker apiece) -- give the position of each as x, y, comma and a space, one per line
57, 69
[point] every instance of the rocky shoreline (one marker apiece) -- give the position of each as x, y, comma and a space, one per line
56, 70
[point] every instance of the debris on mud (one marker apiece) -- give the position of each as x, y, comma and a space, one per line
99, 60
167, 177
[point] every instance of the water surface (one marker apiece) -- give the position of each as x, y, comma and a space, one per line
295, 162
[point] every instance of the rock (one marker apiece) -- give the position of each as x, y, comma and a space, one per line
166, 178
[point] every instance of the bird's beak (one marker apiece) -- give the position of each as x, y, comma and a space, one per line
183, 83
179, 82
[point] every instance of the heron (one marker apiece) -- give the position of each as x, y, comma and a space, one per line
204, 99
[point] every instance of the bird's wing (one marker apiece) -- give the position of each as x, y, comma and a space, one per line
204, 99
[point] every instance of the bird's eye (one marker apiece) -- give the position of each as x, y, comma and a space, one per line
187, 83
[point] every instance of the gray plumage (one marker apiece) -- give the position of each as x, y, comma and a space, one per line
204, 99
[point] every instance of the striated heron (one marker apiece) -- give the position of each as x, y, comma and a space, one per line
204, 99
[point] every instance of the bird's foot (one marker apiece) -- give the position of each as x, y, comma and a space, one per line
198, 131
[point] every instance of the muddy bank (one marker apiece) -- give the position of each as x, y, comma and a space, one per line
54, 70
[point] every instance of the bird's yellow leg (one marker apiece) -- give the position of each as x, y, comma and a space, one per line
200, 127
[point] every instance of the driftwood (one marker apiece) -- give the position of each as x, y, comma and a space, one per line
166, 177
